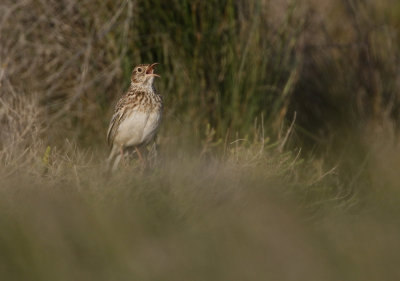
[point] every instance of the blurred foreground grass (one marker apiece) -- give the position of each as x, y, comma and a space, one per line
254, 214
249, 212
236, 192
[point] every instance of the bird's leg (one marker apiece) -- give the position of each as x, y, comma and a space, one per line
139, 153
140, 156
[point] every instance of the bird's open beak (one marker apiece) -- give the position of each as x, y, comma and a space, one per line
150, 70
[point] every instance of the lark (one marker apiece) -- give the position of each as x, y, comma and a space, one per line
137, 116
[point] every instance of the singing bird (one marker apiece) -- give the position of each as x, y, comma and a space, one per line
137, 116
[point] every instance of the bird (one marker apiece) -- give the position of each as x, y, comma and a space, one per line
137, 116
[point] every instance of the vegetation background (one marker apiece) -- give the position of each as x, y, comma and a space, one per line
278, 155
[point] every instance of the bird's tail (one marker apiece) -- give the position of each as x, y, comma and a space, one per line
113, 160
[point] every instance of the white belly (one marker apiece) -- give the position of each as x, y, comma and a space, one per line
139, 128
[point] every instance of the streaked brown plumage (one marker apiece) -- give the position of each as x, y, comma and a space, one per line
137, 115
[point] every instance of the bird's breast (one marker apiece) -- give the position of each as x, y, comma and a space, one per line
139, 127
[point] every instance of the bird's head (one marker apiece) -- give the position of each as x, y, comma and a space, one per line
144, 74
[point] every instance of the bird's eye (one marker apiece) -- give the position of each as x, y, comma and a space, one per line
139, 70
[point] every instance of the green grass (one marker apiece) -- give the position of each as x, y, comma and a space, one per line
254, 214
278, 154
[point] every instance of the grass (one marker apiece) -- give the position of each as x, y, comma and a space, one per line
278, 153
249, 212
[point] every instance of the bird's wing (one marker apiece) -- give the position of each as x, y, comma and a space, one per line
115, 122
112, 129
